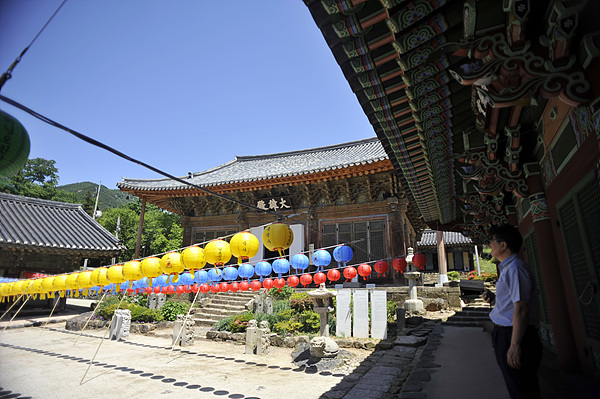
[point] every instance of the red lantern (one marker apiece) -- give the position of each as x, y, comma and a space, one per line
349, 273
171, 289
305, 279
195, 288
333, 275
293, 281
319, 278
244, 286
148, 290
419, 260
204, 288
255, 285
224, 287
268, 283
364, 270
234, 287
279, 283
156, 290
187, 289
399, 265
215, 288
381, 267
179, 290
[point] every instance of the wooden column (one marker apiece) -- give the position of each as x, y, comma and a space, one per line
140, 229
441, 250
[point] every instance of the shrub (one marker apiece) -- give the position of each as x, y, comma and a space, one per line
453, 275
310, 321
485, 276
290, 326
223, 324
171, 309
281, 306
240, 322
138, 313
300, 302
281, 294
391, 311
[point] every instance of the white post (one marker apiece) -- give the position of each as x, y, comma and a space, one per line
477, 258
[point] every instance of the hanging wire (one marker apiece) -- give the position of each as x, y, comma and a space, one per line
8, 74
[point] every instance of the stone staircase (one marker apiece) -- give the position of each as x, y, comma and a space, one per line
475, 314
221, 305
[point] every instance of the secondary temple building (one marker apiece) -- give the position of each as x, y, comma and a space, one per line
346, 193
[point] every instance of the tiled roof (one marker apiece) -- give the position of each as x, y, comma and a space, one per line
428, 239
49, 225
263, 167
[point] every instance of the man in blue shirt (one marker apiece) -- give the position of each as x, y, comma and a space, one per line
515, 315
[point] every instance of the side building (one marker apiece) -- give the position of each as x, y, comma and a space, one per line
346, 193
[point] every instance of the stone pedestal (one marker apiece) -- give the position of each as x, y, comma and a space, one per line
183, 330
323, 346
119, 327
258, 339
412, 303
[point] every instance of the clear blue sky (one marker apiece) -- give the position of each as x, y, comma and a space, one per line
183, 85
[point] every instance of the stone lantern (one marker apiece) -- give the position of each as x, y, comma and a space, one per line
412, 303
323, 346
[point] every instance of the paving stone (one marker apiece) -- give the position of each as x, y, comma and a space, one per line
412, 386
333, 395
403, 351
384, 370
410, 340
420, 375
360, 393
412, 395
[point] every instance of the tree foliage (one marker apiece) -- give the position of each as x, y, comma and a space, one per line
37, 179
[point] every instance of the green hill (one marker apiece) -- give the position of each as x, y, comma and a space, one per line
108, 198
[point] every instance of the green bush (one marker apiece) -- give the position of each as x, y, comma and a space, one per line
138, 313
281, 294
281, 306
310, 321
171, 309
223, 324
240, 322
290, 326
391, 311
300, 302
453, 275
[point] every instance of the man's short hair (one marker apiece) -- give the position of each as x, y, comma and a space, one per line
508, 234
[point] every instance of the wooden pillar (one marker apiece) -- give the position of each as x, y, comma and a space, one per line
566, 350
441, 250
140, 229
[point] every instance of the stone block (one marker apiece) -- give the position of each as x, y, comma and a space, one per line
410, 340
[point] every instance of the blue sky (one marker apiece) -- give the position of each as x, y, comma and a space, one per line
183, 85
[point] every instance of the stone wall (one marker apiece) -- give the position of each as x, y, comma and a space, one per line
441, 297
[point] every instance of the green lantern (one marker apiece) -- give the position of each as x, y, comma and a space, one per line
14, 145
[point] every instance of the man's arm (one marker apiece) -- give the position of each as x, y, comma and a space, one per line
519, 325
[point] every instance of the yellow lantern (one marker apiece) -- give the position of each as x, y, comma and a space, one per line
132, 271
6, 290
60, 284
48, 286
71, 283
36, 288
217, 252
84, 280
193, 258
171, 264
18, 287
277, 237
99, 277
151, 268
115, 276
244, 245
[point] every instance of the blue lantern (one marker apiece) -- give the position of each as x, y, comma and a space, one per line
262, 269
161, 281
321, 258
185, 279
215, 275
246, 270
230, 273
281, 266
201, 276
300, 262
343, 254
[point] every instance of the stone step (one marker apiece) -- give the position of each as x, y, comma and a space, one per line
454, 323
232, 301
219, 312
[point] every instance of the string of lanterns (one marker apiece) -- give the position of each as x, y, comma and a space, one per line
184, 272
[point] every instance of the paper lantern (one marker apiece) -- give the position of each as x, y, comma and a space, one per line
36, 288
399, 264
381, 267
281, 266
277, 237
364, 270
244, 286
172, 265
71, 283
193, 258
349, 273
300, 262
17, 287
321, 258
224, 287
262, 269
305, 279
151, 267
215, 275
255, 285
319, 278
84, 280
267, 283
132, 271
99, 277
230, 273
215, 288
204, 288
15, 145
115, 275
279, 283
60, 284
343, 254
246, 270
217, 252
244, 246
419, 260
293, 281
201, 276
234, 287
333, 275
